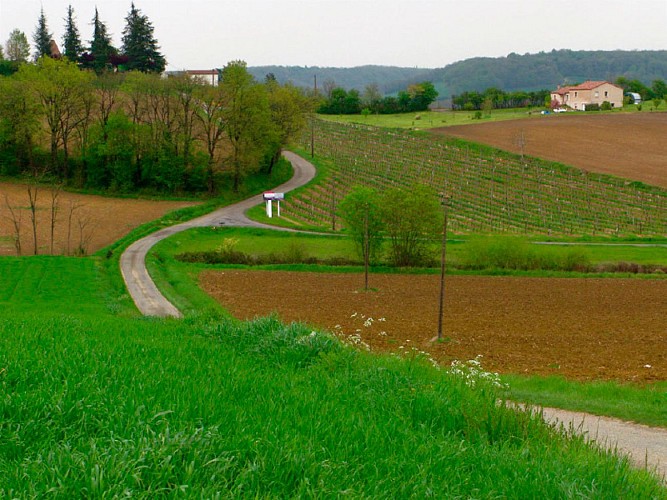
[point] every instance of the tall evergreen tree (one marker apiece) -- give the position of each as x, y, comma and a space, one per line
139, 44
42, 37
99, 58
72, 46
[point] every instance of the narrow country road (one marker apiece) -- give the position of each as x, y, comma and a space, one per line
141, 287
645, 446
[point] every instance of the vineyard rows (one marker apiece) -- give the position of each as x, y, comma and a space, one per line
489, 190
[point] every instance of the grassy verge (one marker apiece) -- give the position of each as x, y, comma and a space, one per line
480, 255
107, 406
644, 404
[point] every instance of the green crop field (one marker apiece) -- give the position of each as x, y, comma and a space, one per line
489, 191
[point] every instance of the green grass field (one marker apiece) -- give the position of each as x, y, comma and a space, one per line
100, 405
446, 118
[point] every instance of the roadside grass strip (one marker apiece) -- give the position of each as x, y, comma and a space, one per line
106, 406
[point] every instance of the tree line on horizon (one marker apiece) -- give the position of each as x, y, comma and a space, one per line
338, 101
139, 50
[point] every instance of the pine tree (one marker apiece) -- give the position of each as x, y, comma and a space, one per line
72, 46
42, 38
139, 44
99, 58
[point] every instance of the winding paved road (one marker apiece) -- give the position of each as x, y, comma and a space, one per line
145, 294
646, 446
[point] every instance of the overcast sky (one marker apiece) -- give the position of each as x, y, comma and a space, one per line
204, 34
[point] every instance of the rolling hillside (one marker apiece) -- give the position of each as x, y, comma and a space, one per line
515, 72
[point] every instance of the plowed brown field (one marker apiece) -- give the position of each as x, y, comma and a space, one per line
629, 145
612, 329
96, 221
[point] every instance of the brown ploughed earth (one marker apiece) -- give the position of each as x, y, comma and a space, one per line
92, 222
585, 329
629, 145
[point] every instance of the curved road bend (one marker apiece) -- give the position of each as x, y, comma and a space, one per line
143, 291
646, 446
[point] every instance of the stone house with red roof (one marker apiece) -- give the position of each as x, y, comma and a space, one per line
590, 92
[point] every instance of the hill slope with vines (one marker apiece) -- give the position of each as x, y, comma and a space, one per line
490, 191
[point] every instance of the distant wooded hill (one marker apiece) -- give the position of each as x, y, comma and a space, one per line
545, 70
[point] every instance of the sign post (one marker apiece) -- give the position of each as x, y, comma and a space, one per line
269, 196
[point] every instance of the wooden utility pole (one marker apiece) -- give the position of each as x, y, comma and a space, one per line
443, 267
312, 121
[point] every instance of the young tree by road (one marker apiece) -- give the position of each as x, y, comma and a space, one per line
247, 120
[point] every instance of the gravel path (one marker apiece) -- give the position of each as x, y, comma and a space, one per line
645, 446
145, 294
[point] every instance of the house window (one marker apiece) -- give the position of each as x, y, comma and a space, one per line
597, 94
606, 93
575, 94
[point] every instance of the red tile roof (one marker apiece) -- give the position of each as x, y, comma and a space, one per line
589, 85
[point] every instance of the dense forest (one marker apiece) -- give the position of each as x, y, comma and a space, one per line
527, 72
138, 131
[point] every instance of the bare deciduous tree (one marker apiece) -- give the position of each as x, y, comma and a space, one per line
73, 207
15, 217
55, 206
33, 191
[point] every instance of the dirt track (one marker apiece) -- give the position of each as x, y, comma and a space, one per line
579, 328
630, 145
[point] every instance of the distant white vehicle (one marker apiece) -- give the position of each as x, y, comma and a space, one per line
560, 110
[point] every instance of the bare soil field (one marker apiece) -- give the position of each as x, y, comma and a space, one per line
82, 221
585, 329
629, 145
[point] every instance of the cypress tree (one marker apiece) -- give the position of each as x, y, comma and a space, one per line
139, 44
72, 46
42, 38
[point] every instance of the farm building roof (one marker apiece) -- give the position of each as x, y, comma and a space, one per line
588, 85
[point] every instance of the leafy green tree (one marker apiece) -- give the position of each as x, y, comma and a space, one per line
17, 47
42, 38
2, 53
659, 88
61, 89
101, 52
413, 219
19, 123
247, 120
210, 116
72, 46
362, 214
421, 96
139, 44
289, 107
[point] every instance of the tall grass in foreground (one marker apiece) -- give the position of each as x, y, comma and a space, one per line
105, 406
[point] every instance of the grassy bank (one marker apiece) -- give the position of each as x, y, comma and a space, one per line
107, 406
